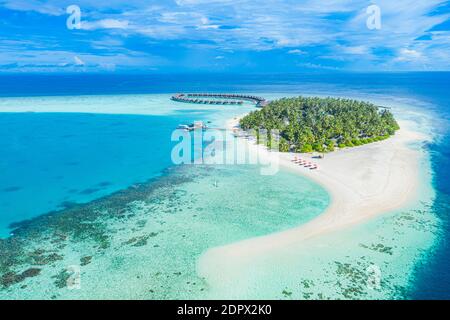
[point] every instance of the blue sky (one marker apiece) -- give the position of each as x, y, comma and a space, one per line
224, 36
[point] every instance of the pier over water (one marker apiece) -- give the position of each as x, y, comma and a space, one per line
219, 99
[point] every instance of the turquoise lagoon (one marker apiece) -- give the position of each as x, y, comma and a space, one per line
101, 195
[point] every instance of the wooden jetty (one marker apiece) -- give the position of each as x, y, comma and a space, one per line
219, 99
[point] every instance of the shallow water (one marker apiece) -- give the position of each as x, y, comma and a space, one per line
144, 242
377, 259
55, 159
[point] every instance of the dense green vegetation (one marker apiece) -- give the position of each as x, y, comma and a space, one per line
321, 124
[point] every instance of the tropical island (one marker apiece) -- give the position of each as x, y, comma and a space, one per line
321, 124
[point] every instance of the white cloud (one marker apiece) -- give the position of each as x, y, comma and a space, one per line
335, 30
34, 5
54, 60
107, 44
408, 55
78, 61
316, 66
105, 24
356, 50
296, 51
201, 2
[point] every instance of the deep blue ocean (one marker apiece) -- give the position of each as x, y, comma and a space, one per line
99, 148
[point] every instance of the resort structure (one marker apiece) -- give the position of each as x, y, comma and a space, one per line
219, 99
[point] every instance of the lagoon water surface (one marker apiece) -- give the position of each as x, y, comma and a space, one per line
100, 193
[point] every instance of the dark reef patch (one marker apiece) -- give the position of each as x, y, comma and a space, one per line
378, 247
286, 293
140, 241
11, 189
67, 205
61, 279
355, 281
38, 257
85, 260
88, 223
10, 278
89, 191
104, 184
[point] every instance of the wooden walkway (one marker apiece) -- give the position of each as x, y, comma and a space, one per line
219, 99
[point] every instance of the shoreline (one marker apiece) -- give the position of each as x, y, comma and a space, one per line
363, 183
294, 258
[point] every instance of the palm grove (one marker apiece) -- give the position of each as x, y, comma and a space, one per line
321, 124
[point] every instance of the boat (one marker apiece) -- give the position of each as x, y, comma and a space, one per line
184, 127
193, 126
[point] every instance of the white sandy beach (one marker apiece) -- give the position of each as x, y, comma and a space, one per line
363, 182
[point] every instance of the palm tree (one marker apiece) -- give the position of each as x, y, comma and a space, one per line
323, 122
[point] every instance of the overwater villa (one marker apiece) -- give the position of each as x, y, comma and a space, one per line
219, 99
